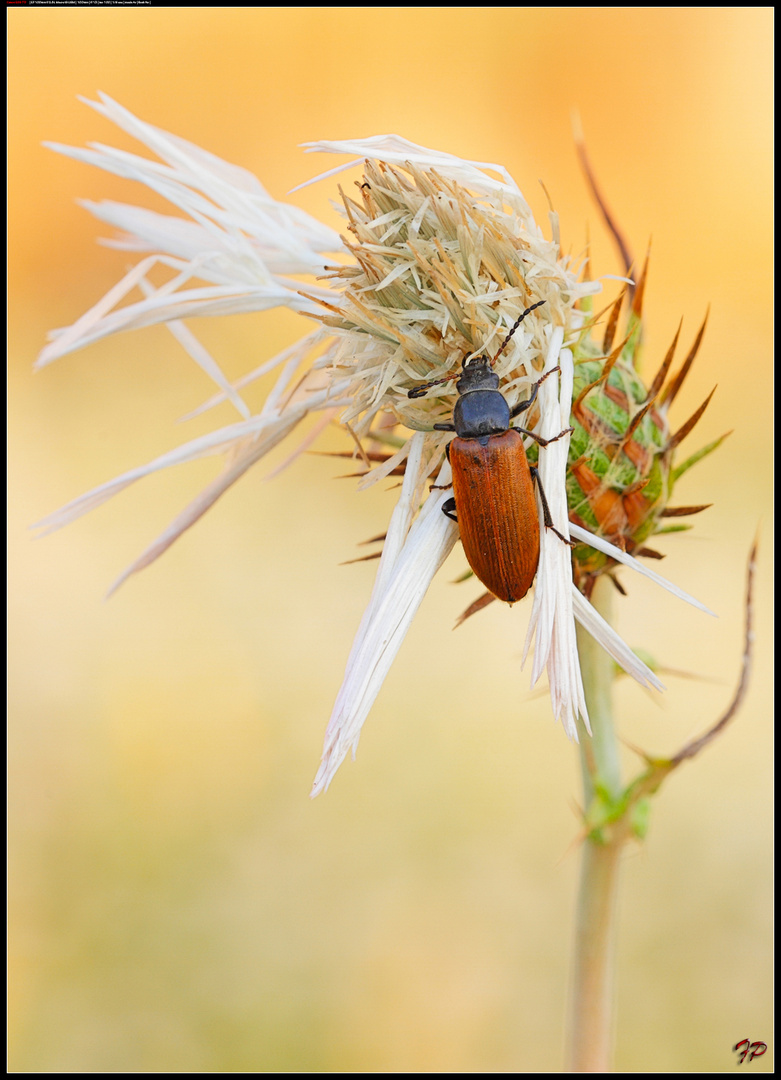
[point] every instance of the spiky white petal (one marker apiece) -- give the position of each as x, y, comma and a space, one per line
247, 441
240, 239
201, 356
601, 544
292, 354
399, 151
611, 642
413, 552
551, 622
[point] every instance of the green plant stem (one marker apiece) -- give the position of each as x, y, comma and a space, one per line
590, 1029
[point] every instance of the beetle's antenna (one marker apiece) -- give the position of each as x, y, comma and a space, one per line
513, 328
421, 388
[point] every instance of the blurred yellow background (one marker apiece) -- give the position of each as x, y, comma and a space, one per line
177, 902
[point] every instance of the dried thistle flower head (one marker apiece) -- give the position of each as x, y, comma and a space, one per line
443, 258
441, 274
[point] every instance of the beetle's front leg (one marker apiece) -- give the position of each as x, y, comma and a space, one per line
522, 406
545, 442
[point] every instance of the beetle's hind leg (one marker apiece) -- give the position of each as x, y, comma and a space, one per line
546, 514
443, 487
448, 509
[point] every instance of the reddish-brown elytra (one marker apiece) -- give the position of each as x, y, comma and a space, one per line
493, 484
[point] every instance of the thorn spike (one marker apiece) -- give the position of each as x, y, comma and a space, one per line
671, 392
635, 422
615, 232
637, 303
612, 323
661, 374
683, 431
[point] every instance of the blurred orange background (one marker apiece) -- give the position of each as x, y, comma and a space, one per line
177, 902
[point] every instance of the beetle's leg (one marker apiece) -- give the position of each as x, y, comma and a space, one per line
546, 515
522, 406
444, 427
443, 487
539, 439
448, 506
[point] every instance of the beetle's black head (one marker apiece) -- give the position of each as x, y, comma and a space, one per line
477, 375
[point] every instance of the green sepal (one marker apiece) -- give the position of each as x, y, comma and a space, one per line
606, 810
679, 470
467, 574
641, 654
603, 810
672, 529
640, 817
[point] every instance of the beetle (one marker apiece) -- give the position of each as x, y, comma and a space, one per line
493, 499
